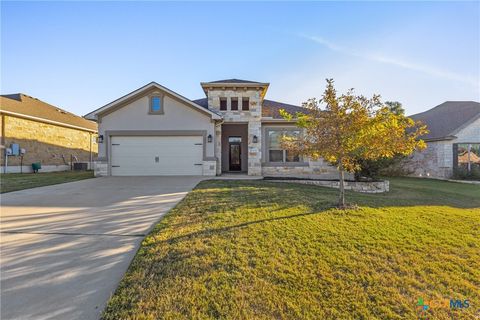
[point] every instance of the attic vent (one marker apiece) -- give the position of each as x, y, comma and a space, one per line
61, 111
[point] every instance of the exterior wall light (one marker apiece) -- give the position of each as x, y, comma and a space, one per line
209, 138
100, 139
255, 139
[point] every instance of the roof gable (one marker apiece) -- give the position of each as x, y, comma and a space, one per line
141, 92
446, 119
22, 105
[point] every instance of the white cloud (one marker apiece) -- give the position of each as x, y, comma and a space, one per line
432, 71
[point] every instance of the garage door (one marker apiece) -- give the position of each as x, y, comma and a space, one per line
156, 156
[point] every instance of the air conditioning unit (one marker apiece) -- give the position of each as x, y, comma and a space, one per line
80, 166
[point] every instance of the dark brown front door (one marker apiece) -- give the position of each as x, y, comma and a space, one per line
235, 150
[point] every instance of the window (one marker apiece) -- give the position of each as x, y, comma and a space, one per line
467, 156
156, 104
234, 105
223, 104
274, 145
234, 139
245, 104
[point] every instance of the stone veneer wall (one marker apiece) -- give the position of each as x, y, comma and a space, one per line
49, 144
209, 168
434, 161
218, 148
100, 168
437, 159
365, 187
312, 170
252, 117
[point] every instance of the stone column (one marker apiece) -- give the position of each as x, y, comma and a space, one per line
254, 149
218, 147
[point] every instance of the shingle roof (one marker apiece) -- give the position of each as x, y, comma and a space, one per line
233, 81
28, 106
202, 102
270, 108
446, 119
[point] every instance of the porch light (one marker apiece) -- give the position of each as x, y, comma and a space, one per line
100, 139
209, 138
255, 139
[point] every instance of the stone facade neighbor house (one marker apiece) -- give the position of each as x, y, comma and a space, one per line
453, 140
155, 131
36, 131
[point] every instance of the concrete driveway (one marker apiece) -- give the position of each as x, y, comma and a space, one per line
64, 248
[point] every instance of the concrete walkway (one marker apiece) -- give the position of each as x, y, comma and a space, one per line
64, 248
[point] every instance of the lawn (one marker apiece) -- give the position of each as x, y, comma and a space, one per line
267, 250
19, 181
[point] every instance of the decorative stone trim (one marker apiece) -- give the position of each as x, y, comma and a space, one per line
100, 168
364, 187
209, 167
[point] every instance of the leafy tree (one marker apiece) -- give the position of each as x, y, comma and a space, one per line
395, 107
372, 169
351, 127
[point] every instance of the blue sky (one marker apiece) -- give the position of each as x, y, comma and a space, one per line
80, 56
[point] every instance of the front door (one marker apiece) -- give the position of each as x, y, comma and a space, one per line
235, 153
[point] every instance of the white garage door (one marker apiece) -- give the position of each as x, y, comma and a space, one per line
156, 156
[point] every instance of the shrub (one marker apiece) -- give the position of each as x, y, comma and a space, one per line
462, 173
373, 169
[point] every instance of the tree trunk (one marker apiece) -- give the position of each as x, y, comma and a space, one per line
341, 199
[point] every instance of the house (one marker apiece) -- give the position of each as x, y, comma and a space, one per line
156, 131
453, 140
35, 131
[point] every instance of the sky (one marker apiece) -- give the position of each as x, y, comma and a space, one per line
80, 56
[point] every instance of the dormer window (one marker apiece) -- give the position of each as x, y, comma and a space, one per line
223, 104
156, 104
234, 105
245, 104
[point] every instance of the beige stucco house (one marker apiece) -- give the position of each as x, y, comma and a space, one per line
34, 131
453, 140
156, 131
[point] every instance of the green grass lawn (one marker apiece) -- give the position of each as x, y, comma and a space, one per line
19, 181
266, 250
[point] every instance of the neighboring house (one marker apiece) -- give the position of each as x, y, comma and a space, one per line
46, 134
453, 140
155, 131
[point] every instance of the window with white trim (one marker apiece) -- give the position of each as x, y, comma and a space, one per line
275, 152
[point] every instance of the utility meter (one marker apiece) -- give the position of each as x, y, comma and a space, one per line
15, 149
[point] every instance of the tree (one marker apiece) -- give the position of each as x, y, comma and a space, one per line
395, 107
351, 127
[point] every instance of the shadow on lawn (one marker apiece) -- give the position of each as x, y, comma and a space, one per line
403, 192
208, 232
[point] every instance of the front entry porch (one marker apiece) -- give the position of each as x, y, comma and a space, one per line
234, 148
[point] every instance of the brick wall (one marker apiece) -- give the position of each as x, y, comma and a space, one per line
46, 143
